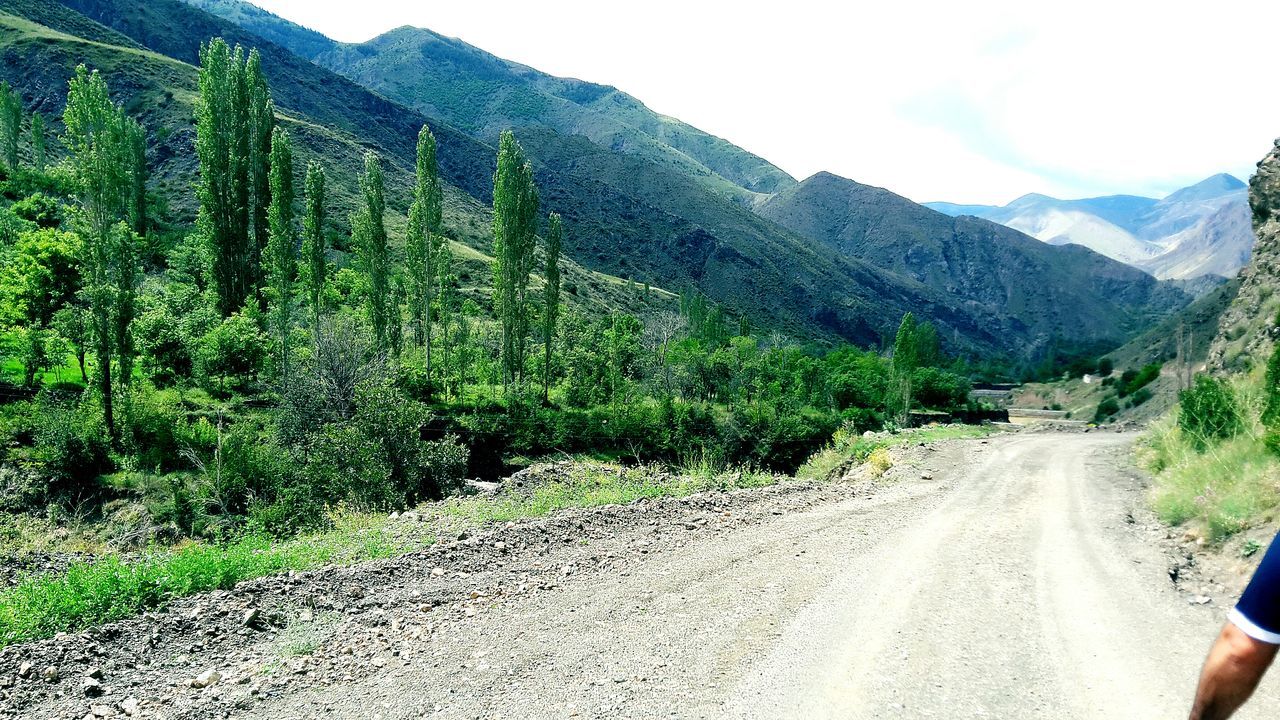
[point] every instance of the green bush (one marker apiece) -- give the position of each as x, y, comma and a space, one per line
1139, 396
71, 445
1108, 407
1208, 412
937, 389
235, 349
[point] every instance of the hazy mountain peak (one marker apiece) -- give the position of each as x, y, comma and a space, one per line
1211, 187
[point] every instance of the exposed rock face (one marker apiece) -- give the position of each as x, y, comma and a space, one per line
1248, 328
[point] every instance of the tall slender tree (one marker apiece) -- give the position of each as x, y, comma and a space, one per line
515, 210
223, 148
282, 256
10, 125
137, 187
97, 136
38, 152
550, 299
423, 241
313, 243
370, 237
261, 122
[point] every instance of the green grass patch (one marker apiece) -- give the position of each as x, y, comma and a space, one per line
1219, 486
847, 448
111, 587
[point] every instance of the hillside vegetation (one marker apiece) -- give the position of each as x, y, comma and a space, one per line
1217, 455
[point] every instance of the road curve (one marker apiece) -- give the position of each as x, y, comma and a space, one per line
1007, 584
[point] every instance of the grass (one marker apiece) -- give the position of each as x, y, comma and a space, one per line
1231, 486
112, 587
847, 448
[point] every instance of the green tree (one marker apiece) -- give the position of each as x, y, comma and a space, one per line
260, 129
76, 325
423, 242
222, 147
314, 266
136, 137
370, 236
515, 211
282, 257
97, 137
38, 153
234, 349
10, 125
550, 299
906, 358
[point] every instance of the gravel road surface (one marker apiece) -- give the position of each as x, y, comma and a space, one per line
1018, 577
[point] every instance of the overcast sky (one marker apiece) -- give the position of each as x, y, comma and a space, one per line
963, 101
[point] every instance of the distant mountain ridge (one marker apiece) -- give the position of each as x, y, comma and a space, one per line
639, 216
1202, 229
483, 95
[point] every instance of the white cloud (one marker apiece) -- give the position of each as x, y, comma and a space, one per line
969, 102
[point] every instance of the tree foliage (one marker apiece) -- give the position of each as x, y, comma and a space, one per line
369, 236
515, 212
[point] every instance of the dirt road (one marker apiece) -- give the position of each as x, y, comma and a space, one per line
1010, 585
1016, 578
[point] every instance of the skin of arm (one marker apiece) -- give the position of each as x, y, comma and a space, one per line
1235, 664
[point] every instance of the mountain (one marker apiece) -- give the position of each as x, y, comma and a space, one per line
1070, 291
1199, 230
1250, 327
629, 215
484, 95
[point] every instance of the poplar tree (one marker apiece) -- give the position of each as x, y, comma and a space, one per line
423, 242
101, 159
137, 188
906, 358
515, 211
10, 125
38, 153
313, 243
222, 146
550, 299
260, 118
370, 238
282, 258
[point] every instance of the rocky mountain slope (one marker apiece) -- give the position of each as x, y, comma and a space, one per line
1199, 230
978, 263
1248, 328
484, 95
627, 215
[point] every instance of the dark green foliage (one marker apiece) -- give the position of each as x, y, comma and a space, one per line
223, 145
1105, 366
1271, 402
1133, 380
233, 350
369, 236
105, 168
70, 446
1108, 407
39, 156
515, 212
1139, 396
40, 209
937, 389
314, 267
282, 254
424, 244
10, 125
550, 299
1208, 411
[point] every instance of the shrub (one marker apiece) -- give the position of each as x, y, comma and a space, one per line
1139, 396
1208, 411
1108, 407
940, 389
71, 445
234, 349
1106, 366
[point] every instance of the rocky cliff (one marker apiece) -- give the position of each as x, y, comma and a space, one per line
1249, 326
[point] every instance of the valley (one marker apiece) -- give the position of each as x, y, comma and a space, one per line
392, 378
